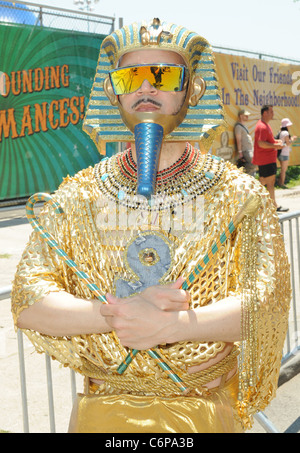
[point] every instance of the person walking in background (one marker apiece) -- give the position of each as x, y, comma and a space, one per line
284, 155
244, 143
265, 152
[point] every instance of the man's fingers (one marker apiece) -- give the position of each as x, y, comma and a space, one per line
178, 283
181, 295
112, 307
111, 299
106, 310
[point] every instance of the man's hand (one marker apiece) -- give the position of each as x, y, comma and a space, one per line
147, 319
279, 144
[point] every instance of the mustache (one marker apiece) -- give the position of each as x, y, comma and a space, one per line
146, 101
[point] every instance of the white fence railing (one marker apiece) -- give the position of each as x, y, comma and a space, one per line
51, 405
291, 233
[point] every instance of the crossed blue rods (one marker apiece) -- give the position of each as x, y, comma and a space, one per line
49, 239
249, 208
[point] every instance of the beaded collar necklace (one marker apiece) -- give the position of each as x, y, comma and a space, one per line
186, 162
191, 175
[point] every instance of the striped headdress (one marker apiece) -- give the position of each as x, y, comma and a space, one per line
202, 123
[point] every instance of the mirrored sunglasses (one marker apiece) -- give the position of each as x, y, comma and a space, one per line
163, 77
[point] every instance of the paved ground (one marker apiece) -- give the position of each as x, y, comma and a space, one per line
284, 411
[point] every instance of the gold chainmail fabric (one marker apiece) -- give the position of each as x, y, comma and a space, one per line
101, 221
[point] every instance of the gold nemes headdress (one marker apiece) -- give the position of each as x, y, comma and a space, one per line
202, 122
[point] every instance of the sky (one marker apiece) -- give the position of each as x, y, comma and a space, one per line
264, 26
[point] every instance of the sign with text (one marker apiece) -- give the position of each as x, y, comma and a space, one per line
247, 83
45, 82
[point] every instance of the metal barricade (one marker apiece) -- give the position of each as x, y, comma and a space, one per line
290, 229
49, 387
291, 233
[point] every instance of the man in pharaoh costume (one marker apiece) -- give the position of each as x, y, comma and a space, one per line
184, 248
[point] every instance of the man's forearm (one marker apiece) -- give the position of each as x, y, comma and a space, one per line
61, 314
216, 322
268, 145
141, 324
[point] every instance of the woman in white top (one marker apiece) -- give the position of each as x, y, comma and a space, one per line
285, 152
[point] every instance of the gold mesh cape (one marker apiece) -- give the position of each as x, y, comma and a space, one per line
98, 243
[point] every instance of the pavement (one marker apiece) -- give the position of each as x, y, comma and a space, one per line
283, 412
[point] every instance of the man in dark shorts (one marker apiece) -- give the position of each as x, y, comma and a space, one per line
265, 152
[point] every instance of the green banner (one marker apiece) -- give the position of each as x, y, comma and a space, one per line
45, 81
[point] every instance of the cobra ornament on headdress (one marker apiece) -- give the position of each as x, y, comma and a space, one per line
200, 121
